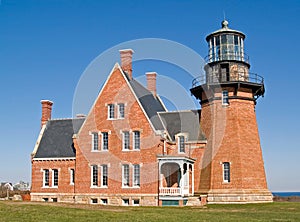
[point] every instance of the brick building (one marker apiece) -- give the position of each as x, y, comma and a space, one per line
129, 150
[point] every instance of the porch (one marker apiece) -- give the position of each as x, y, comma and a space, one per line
176, 176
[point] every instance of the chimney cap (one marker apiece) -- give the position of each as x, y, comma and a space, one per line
126, 50
46, 101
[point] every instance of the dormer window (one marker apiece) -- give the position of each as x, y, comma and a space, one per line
111, 111
181, 144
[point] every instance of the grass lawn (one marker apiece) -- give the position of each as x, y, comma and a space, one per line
29, 211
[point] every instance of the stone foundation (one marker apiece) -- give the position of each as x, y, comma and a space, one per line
237, 196
114, 200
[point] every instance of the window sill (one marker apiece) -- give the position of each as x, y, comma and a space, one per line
128, 187
101, 187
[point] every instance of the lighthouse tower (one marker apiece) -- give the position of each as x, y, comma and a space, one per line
232, 168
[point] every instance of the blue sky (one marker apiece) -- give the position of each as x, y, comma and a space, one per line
45, 46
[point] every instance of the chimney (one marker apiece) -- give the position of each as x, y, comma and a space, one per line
126, 61
46, 111
151, 82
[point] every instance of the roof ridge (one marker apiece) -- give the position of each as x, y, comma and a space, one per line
67, 118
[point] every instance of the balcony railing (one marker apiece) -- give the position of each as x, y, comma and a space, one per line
218, 78
170, 191
227, 55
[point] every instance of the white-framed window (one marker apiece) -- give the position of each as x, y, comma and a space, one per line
104, 176
125, 202
226, 172
104, 201
110, 111
95, 139
136, 175
121, 111
94, 174
225, 99
55, 178
104, 140
126, 140
94, 200
136, 140
72, 176
136, 202
46, 178
181, 144
125, 175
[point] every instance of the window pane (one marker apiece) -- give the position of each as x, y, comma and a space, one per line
121, 110
105, 141
95, 175
125, 175
226, 171
136, 175
126, 140
104, 175
111, 111
55, 177
95, 141
181, 144
46, 177
72, 176
136, 140
225, 99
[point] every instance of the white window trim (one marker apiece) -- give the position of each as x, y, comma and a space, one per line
52, 171
101, 180
108, 111
92, 134
102, 141
177, 137
223, 171
123, 202
119, 116
72, 176
44, 178
133, 175
92, 178
123, 140
133, 140
133, 204
123, 176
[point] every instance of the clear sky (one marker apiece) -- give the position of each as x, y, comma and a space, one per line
45, 46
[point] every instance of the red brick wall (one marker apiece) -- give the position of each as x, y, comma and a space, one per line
117, 91
232, 137
63, 167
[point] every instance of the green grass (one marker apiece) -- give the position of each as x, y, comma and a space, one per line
24, 211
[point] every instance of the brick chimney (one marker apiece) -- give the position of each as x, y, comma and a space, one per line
151, 82
126, 61
46, 111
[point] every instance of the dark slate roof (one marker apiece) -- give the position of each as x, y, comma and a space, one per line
57, 138
150, 103
183, 122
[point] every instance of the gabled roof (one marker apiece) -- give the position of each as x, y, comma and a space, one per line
56, 141
151, 104
183, 122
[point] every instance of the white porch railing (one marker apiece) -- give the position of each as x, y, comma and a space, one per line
170, 191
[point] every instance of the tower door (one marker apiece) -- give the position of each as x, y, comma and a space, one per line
224, 74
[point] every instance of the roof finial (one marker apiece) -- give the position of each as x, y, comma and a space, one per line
225, 24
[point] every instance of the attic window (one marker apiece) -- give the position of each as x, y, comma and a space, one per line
95, 139
111, 111
121, 109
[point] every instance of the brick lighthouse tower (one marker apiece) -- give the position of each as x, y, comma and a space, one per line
232, 168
